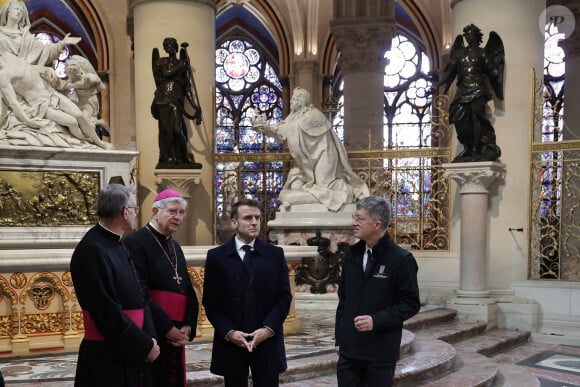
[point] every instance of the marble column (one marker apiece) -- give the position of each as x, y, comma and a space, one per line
474, 181
363, 33
523, 40
304, 76
191, 21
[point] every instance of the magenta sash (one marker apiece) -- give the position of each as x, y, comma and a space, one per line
174, 304
91, 331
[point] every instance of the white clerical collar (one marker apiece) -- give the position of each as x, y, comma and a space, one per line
111, 231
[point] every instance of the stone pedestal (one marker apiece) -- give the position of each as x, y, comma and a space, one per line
474, 180
314, 225
296, 226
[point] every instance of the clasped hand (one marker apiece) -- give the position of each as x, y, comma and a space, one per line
178, 337
249, 340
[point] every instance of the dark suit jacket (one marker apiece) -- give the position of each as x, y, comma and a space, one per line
222, 291
390, 295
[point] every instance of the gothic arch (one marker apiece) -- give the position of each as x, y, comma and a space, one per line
417, 27
267, 15
59, 17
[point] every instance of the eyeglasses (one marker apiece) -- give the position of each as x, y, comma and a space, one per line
174, 212
135, 209
358, 220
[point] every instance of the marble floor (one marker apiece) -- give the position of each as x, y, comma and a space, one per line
311, 361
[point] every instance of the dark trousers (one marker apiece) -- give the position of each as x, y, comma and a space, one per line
364, 373
261, 376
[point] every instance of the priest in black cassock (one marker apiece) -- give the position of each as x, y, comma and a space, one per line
119, 342
163, 272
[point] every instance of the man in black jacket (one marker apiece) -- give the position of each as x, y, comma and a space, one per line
377, 292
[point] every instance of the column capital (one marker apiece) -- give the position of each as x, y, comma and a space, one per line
134, 3
182, 180
362, 43
475, 177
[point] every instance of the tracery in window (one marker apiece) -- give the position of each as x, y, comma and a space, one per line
552, 123
414, 184
407, 97
246, 84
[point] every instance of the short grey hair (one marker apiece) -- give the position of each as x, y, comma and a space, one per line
377, 207
163, 202
112, 199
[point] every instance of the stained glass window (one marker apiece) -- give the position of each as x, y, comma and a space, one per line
407, 97
414, 185
57, 64
552, 123
246, 85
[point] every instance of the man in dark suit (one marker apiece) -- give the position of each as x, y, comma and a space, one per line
246, 295
377, 292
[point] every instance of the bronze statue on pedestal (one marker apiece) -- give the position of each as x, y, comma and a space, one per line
476, 70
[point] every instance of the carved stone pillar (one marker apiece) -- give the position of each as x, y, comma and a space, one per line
362, 35
191, 21
305, 73
523, 40
184, 182
474, 181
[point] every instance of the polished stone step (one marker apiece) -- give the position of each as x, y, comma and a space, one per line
437, 349
471, 366
511, 375
428, 359
493, 342
429, 317
469, 370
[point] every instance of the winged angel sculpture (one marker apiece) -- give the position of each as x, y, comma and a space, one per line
174, 86
478, 70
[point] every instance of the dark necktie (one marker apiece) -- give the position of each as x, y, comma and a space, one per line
369, 265
248, 264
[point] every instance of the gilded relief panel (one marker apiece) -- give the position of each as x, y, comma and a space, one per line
48, 198
41, 308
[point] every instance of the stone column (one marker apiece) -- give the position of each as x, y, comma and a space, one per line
523, 41
362, 35
191, 21
305, 77
474, 181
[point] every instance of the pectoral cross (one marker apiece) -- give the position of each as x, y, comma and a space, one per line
177, 278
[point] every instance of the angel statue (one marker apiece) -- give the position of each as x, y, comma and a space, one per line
174, 89
476, 69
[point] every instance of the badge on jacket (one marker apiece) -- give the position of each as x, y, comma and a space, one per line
381, 272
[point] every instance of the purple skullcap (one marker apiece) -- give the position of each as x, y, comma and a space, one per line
166, 194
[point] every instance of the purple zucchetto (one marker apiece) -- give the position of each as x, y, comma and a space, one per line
166, 194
